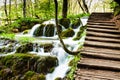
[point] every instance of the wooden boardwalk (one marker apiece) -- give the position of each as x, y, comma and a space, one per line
101, 52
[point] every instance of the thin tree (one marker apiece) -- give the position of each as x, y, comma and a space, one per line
5, 8
24, 8
65, 8
85, 6
79, 2
60, 38
10, 11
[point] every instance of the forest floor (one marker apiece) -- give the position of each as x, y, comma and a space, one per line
101, 52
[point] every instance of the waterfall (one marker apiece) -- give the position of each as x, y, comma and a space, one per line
33, 29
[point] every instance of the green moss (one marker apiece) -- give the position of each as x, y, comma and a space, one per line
73, 64
26, 31
76, 23
117, 10
47, 46
68, 33
25, 23
80, 32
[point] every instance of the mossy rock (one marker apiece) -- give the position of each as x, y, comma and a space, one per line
27, 66
80, 32
51, 62
25, 23
45, 30
39, 30
26, 31
49, 30
25, 48
76, 23
65, 22
68, 33
47, 47
6, 74
31, 75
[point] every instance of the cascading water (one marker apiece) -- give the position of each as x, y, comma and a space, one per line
33, 29
63, 58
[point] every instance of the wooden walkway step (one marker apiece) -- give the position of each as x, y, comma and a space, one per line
108, 40
102, 27
101, 51
103, 30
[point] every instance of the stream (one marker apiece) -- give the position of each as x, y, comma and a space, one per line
63, 57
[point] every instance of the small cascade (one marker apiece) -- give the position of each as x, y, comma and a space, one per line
44, 29
63, 58
33, 29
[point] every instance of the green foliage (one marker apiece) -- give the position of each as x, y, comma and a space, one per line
116, 7
25, 23
29, 73
80, 33
25, 39
78, 16
7, 35
68, 33
73, 64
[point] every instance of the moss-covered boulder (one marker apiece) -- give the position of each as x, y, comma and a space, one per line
76, 23
26, 31
45, 30
39, 30
68, 33
26, 67
25, 23
47, 47
80, 32
25, 48
50, 30
65, 22
31, 75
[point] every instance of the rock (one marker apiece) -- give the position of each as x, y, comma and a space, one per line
31, 75
39, 30
26, 66
45, 30
15, 30
6, 74
65, 22
76, 23
47, 47
68, 33
25, 48
51, 62
26, 31
49, 30
80, 32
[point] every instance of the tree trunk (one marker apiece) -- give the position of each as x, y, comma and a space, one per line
85, 6
65, 8
6, 13
24, 8
5, 8
81, 6
10, 11
56, 19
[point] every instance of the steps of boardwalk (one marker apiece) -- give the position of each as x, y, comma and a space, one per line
108, 40
103, 30
101, 52
93, 74
97, 63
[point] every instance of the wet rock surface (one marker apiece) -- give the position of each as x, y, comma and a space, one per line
26, 66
